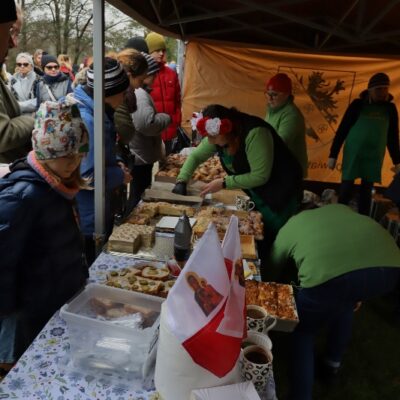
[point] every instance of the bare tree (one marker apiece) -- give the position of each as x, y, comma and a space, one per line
66, 26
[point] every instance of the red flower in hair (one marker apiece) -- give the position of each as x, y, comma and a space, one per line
201, 126
226, 126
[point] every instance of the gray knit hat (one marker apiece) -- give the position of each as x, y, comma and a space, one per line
153, 66
379, 80
115, 78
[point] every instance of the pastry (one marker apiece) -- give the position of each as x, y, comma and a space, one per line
275, 298
139, 219
250, 223
155, 273
166, 287
165, 208
124, 240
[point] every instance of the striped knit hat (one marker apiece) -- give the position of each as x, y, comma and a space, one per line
152, 64
115, 78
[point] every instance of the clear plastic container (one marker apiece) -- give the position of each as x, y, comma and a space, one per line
111, 329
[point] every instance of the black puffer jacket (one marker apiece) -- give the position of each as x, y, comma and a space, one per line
41, 252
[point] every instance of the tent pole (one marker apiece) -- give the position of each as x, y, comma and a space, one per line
98, 62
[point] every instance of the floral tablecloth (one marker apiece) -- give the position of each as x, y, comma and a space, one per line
42, 372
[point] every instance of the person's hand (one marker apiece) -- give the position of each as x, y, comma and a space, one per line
127, 173
180, 188
396, 168
214, 186
331, 163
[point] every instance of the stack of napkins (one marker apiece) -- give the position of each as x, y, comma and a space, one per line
238, 391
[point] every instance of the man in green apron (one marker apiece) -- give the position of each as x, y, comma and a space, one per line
369, 125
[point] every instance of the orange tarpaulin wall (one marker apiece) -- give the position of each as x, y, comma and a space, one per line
324, 86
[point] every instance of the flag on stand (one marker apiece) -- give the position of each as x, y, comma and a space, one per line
234, 321
202, 299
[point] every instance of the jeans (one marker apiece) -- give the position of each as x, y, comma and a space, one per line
331, 305
364, 198
7, 339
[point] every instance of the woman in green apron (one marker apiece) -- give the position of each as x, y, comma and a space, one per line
255, 159
369, 125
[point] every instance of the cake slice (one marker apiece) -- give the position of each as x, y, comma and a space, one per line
123, 241
148, 286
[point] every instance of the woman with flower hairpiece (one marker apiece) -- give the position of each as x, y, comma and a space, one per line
255, 159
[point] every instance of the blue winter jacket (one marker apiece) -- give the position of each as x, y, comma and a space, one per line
114, 174
41, 247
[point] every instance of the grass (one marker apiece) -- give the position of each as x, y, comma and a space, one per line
371, 368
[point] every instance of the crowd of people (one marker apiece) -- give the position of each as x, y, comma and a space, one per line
47, 198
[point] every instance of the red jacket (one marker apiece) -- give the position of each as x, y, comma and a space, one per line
166, 95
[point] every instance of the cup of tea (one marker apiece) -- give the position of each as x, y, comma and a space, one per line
244, 203
258, 319
256, 365
257, 338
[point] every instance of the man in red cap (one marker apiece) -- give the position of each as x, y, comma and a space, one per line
286, 118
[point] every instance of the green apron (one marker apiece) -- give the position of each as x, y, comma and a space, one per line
273, 221
365, 145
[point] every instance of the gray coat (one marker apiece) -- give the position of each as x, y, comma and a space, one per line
146, 142
23, 89
58, 89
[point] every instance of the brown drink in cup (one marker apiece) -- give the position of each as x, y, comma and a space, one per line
257, 355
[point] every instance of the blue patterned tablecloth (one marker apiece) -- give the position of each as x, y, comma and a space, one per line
43, 372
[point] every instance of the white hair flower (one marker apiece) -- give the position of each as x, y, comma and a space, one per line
212, 126
196, 117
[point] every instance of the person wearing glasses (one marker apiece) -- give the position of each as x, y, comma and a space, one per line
15, 129
23, 83
53, 85
255, 159
286, 118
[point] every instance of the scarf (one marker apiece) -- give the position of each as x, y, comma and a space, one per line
55, 184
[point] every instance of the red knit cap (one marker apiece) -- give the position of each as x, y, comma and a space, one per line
280, 83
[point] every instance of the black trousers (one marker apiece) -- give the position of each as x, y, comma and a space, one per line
364, 197
142, 176
168, 147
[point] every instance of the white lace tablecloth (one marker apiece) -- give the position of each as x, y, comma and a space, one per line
41, 373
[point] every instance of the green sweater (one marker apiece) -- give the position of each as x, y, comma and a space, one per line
260, 162
330, 241
288, 121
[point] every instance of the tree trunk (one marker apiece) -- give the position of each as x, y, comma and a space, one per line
23, 33
66, 27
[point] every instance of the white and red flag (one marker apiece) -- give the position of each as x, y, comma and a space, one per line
202, 300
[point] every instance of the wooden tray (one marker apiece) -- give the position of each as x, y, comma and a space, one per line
163, 195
